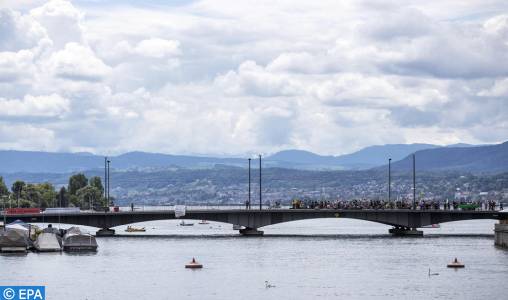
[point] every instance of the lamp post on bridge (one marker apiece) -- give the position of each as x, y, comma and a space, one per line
4, 213
414, 181
248, 203
260, 197
105, 177
389, 180
108, 203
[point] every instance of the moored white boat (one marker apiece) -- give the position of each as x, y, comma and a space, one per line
77, 240
13, 241
48, 242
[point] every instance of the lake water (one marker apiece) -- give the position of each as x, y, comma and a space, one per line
311, 259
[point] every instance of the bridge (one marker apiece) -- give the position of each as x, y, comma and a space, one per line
403, 221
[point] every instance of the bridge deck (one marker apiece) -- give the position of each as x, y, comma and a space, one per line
258, 218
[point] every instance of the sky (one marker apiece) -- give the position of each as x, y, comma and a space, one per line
235, 77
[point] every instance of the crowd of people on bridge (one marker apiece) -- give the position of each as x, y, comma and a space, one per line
398, 204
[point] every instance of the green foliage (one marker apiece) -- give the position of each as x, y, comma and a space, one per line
62, 198
77, 182
74, 201
4, 191
17, 188
43, 195
25, 203
89, 197
39, 195
97, 183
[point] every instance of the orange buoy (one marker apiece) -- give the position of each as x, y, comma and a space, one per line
455, 264
193, 264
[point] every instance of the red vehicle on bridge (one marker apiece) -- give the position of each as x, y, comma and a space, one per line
22, 211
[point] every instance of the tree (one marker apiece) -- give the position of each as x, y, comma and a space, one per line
17, 188
48, 195
97, 183
4, 191
76, 182
63, 197
32, 195
89, 197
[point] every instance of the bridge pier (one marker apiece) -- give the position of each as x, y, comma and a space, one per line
251, 232
105, 232
501, 233
405, 231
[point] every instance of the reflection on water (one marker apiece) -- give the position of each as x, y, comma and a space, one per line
350, 259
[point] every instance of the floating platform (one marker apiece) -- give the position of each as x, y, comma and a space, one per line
193, 265
455, 264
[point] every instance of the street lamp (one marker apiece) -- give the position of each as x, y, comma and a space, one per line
108, 161
414, 182
389, 180
248, 203
105, 176
260, 199
4, 213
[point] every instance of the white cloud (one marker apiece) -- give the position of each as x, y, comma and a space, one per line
157, 48
19, 32
35, 106
230, 77
61, 20
16, 66
77, 62
27, 136
499, 89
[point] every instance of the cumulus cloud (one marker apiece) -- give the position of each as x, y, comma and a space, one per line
224, 77
77, 62
61, 20
498, 89
157, 48
19, 32
39, 106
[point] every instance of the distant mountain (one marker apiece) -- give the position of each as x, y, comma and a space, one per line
46, 162
379, 155
133, 160
489, 158
363, 159
302, 159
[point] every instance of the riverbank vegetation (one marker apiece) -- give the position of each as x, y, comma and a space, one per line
80, 192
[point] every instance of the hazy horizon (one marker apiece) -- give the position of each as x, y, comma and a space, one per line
238, 155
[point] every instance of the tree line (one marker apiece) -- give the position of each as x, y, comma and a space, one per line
80, 192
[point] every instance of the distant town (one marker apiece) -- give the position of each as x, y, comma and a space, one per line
229, 185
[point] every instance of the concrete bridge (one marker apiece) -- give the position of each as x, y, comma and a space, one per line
404, 222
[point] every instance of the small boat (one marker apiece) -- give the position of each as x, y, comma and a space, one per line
455, 264
186, 224
13, 241
48, 242
432, 226
134, 229
203, 222
77, 240
193, 265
